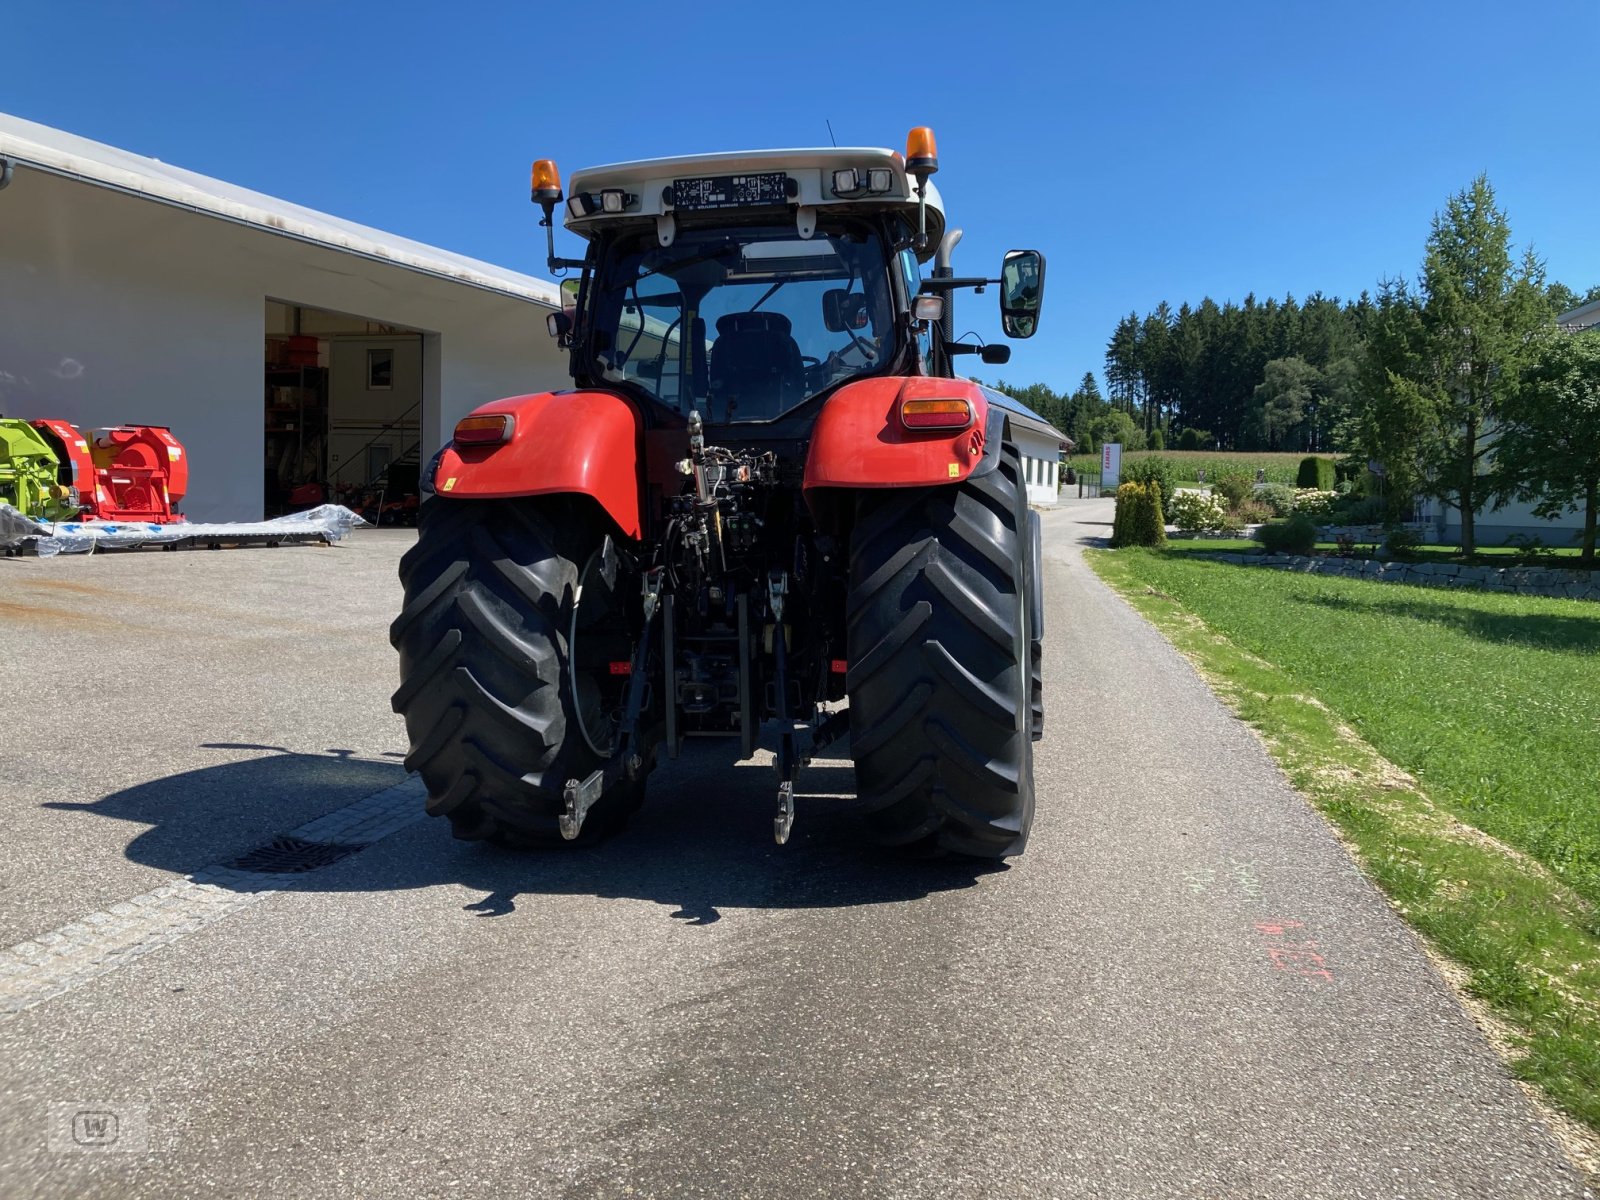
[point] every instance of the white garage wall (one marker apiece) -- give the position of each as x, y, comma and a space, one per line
115, 308
1040, 456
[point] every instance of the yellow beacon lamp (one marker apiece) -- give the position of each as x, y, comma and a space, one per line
922, 160
547, 194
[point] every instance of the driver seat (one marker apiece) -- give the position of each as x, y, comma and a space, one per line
755, 369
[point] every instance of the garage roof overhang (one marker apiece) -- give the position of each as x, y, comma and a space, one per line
41, 148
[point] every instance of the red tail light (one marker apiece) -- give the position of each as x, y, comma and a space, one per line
935, 414
489, 429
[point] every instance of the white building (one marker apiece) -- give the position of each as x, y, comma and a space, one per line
280, 345
1515, 520
1040, 444
1584, 317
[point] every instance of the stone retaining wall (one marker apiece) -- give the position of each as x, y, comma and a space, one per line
1527, 581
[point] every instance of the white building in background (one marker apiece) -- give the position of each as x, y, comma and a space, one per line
1582, 318
281, 345
1040, 444
1515, 520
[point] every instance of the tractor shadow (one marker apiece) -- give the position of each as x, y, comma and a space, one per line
702, 846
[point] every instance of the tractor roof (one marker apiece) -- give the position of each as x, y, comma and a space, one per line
706, 184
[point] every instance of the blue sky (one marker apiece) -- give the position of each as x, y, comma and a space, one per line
1152, 151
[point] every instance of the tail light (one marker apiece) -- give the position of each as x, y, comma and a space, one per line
488, 429
935, 414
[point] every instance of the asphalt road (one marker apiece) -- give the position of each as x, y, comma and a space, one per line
1184, 989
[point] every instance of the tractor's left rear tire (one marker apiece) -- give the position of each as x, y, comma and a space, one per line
493, 704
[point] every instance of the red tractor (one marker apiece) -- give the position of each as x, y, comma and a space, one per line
766, 494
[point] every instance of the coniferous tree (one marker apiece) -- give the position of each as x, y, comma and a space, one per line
1476, 311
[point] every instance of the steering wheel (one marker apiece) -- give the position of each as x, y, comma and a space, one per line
863, 346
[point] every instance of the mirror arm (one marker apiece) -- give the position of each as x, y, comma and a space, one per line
944, 285
993, 355
549, 226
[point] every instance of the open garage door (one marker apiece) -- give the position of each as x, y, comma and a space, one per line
343, 413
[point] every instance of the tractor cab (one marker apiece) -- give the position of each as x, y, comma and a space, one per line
746, 286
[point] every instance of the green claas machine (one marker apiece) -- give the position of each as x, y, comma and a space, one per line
30, 474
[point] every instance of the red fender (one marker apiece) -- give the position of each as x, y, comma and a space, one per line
859, 441
584, 442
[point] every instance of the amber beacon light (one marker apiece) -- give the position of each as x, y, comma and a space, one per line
546, 182
922, 152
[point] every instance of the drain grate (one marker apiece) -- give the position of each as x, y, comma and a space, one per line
293, 856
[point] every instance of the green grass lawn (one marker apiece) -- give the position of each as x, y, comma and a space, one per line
1491, 704
1487, 556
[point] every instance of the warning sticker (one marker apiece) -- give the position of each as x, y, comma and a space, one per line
955, 471
448, 484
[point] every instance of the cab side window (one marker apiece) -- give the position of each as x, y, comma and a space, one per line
911, 273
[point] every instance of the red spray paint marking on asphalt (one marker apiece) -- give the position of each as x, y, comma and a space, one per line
1299, 957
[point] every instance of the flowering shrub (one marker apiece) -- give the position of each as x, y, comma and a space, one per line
1314, 502
1279, 497
1195, 512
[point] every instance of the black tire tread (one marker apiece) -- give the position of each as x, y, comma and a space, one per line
482, 642
939, 676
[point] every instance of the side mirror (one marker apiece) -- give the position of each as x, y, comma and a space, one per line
844, 310
1021, 292
561, 324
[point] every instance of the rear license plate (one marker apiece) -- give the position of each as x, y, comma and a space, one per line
731, 191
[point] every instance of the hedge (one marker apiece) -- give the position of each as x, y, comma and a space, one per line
1138, 520
1316, 473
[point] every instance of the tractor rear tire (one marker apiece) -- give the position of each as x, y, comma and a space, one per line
939, 643
1035, 627
486, 689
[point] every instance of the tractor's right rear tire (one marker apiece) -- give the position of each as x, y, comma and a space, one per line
487, 690
1035, 627
939, 678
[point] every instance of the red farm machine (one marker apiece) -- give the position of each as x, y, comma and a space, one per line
766, 493
135, 473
